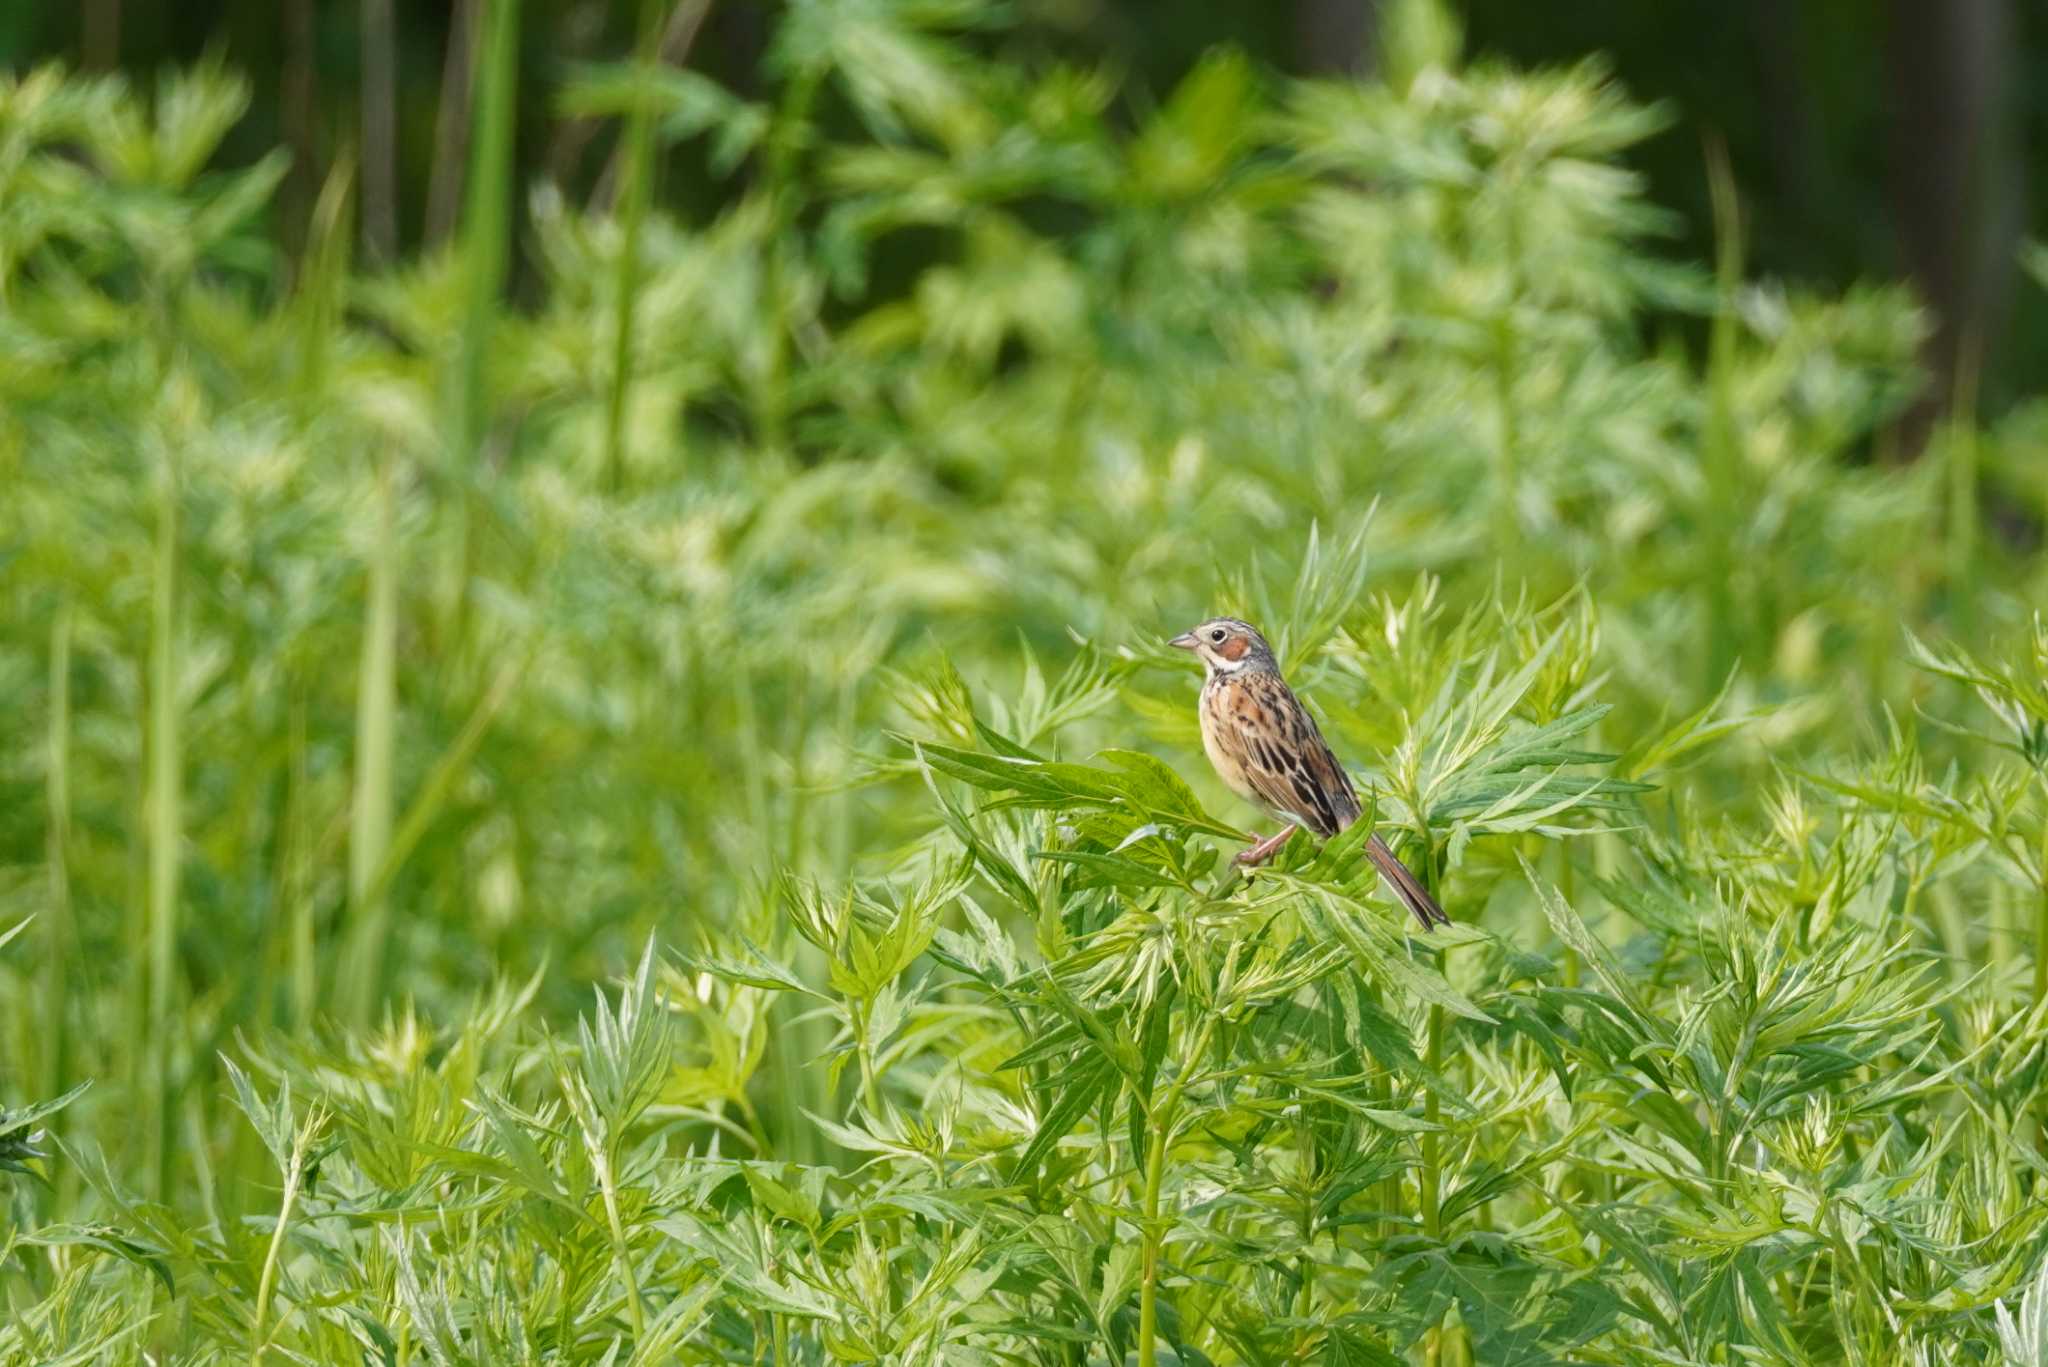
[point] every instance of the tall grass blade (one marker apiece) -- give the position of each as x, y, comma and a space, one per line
164, 822
1721, 443
1959, 446
486, 235
370, 810
633, 198
297, 878
62, 942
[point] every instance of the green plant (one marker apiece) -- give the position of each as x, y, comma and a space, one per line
378, 641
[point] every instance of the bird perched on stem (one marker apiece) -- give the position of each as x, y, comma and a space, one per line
1266, 746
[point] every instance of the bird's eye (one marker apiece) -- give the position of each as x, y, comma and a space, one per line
1217, 635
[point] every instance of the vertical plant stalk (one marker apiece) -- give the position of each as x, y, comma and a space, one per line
1567, 886
2004, 922
596, 1131
298, 877
2041, 914
403, 1356
1960, 449
1431, 1175
864, 1047
1429, 1178
792, 118
1148, 1292
369, 842
57, 855
678, 36
621, 1252
380, 131
1305, 1156
299, 100
1160, 1124
294, 1175
1506, 368
452, 122
639, 173
323, 277
1722, 453
1953, 921
794, 1087
1394, 1186
164, 822
486, 235
441, 779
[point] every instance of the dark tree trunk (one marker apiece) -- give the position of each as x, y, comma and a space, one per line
1798, 158
451, 123
1955, 183
1335, 37
380, 131
300, 99
99, 38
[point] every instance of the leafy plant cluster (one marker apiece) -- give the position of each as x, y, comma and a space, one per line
1093, 1092
385, 664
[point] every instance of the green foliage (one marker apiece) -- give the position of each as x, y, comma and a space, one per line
780, 596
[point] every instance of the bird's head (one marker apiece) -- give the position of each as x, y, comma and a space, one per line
1226, 645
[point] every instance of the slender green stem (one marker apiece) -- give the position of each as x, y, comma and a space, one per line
792, 121
376, 721
2040, 954
621, 1253
1960, 447
1567, 887
486, 235
323, 276
440, 780
298, 876
639, 174
1148, 1294
1430, 1179
1506, 367
1722, 451
1160, 1128
750, 1117
754, 783
870, 1085
1393, 1190
1954, 925
403, 1355
57, 854
294, 1173
1305, 1157
1432, 1109
165, 820
2041, 923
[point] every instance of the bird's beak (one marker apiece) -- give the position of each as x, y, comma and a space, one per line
1184, 641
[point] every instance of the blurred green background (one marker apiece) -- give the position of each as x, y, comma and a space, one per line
1867, 138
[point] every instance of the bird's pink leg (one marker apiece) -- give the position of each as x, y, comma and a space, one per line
1265, 849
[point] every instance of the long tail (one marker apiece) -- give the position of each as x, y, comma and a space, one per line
1405, 885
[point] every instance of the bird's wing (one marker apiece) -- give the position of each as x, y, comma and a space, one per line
1286, 761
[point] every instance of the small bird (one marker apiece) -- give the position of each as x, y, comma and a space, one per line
1265, 745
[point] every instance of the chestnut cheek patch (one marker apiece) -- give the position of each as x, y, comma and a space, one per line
1234, 648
